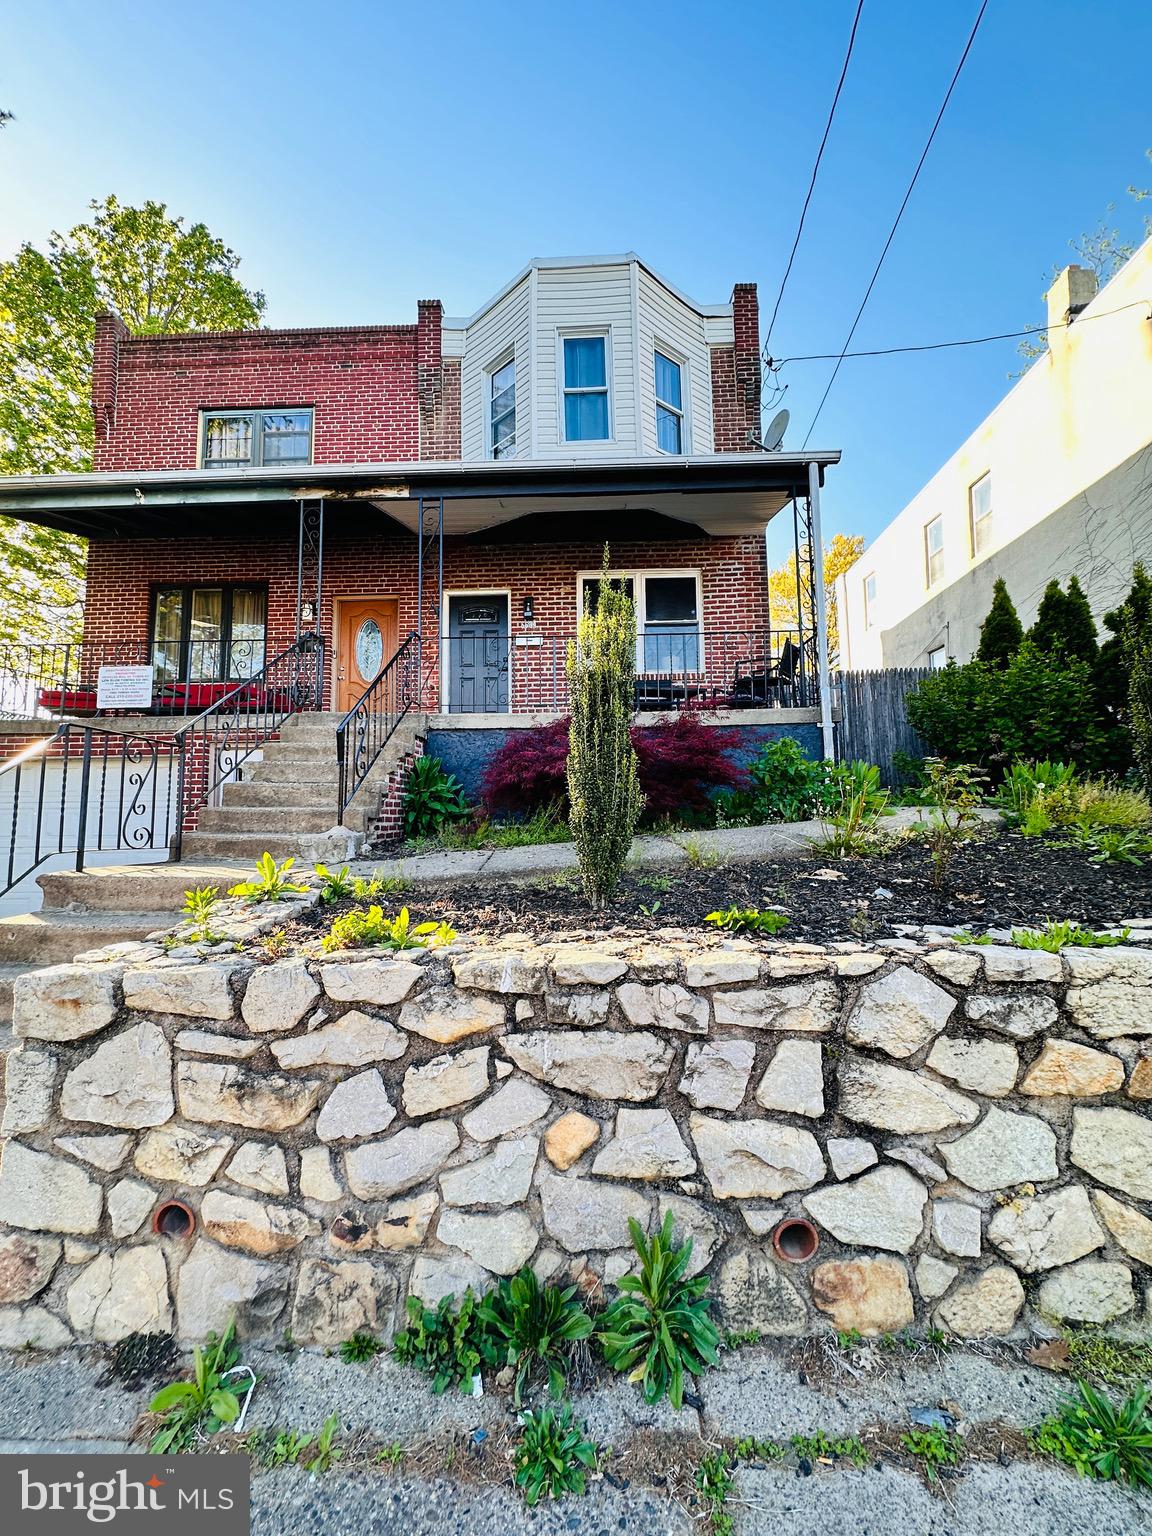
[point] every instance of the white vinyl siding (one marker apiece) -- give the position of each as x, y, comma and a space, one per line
668, 325
496, 336
584, 299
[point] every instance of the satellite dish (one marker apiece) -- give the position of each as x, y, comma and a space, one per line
777, 427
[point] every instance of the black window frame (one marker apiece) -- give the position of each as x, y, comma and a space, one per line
228, 590
257, 413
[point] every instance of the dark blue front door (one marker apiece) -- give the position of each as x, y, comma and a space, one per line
478, 654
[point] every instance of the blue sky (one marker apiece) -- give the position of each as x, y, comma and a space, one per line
361, 156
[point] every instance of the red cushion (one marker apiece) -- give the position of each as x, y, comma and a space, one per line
77, 701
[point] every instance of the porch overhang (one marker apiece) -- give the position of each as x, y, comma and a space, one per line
721, 494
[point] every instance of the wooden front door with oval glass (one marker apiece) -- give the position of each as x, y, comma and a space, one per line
366, 640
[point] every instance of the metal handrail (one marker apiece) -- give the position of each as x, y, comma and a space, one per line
364, 732
242, 720
118, 802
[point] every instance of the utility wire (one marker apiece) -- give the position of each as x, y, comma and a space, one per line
968, 341
815, 171
899, 215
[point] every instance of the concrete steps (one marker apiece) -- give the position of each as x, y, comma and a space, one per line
282, 818
130, 889
53, 937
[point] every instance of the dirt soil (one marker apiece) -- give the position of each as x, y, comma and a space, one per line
1001, 880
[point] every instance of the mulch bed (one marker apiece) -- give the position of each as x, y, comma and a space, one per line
1000, 880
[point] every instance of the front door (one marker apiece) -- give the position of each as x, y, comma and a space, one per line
366, 640
478, 654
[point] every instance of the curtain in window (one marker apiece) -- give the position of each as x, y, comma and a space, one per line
167, 627
228, 441
248, 617
206, 634
584, 362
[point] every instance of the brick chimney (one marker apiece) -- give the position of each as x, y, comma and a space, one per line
110, 332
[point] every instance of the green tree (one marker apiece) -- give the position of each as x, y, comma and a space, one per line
1002, 631
160, 275
1064, 626
603, 773
1113, 673
1136, 635
1047, 633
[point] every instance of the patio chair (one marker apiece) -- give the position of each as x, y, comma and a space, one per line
760, 683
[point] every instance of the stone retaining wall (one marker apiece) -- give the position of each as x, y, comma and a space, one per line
967, 1129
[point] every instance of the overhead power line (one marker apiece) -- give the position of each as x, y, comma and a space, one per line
775, 363
899, 215
815, 171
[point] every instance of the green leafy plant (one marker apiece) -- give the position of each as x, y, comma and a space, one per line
285, 1449
1109, 845
360, 1347
1100, 1438
360, 929
698, 853
536, 1327
659, 1327
366, 888
602, 769
337, 884
748, 919
849, 1338
199, 905
327, 1454
953, 794
1101, 1357
553, 1457
737, 1339
821, 1446
714, 1483
195, 1409
1055, 936
274, 945
271, 882
445, 1342
935, 1448
852, 810
433, 798
784, 784
546, 825
391, 1455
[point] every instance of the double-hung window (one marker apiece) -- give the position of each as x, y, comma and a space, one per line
669, 405
247, 439
586, 416
934, 551
980, 514
208, 634
502, 409
667, 617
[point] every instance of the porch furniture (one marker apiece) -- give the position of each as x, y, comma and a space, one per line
758, 683
67, 701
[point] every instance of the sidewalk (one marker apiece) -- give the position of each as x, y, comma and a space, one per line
733, 845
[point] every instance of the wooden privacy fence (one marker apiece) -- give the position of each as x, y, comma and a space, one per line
873, 724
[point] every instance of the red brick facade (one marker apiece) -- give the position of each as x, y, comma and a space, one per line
381, 393
736, 377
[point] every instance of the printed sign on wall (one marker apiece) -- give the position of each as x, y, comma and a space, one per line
124, 688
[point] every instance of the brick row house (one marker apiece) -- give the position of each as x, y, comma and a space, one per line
442, 490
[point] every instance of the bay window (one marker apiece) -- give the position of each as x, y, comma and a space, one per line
585, 364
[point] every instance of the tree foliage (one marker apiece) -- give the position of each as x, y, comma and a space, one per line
160, 275
1136, 638
842, 553
603, 777
1064, 624
1002, 631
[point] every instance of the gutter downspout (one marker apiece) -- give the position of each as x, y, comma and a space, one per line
820, 602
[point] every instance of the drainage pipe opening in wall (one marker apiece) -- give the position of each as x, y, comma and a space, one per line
174, 1219
796, 1240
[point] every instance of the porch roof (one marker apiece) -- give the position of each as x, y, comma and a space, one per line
730, 493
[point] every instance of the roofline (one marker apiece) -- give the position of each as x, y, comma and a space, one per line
81, 503
559, 263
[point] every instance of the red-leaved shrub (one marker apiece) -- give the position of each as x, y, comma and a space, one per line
679, 764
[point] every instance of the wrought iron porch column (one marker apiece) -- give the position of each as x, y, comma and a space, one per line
310, 577
429, 532
820, 609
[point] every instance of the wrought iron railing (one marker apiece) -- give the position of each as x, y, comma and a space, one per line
87, 790
366, 729
249, 714
676, 667
55, 680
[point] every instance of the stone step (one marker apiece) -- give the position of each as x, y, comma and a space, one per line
278, 796
133, 888
53, 937
293, 770
263, 818
8, 974
246, 847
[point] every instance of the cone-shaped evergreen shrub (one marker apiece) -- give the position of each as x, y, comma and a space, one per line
1002, 631
1079, 625
1137, 638
603, 778
1047, 634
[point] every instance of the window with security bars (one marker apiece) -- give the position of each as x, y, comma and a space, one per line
248, 439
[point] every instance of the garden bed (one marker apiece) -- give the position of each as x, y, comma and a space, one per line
999, 880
